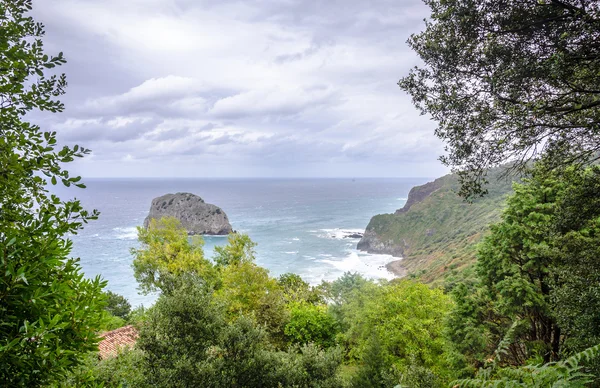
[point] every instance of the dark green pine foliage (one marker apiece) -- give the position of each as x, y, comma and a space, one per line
49, 313
117, 305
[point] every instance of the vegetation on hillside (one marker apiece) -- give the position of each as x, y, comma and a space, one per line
438, 235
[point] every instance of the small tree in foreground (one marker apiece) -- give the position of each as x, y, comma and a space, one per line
166, 254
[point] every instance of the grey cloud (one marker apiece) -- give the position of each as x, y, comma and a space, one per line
269, 83
101, 129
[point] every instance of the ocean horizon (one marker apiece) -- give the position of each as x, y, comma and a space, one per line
299, 224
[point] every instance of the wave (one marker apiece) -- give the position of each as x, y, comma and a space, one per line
292, 252
367, 264
128, 233
339, 234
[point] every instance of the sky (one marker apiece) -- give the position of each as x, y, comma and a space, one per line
249, 88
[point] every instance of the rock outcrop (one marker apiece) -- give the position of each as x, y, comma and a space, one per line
372, 243
418, 193
196, 216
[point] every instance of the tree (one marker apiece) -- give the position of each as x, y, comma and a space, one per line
296, 289
166, 254
538, 274
246, 289
49, 313
239, 249
510, 81
310, 323
188, 342
117, 305
403, 322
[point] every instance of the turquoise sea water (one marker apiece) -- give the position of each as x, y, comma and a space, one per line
298, 224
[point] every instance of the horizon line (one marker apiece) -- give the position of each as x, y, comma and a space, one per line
256, 177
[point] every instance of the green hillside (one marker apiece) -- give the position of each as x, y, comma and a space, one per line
436, 232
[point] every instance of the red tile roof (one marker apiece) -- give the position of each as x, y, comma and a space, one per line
114, 340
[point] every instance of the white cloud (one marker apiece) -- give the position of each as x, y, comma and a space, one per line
252, 83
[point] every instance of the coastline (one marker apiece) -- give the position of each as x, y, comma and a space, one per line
396, 268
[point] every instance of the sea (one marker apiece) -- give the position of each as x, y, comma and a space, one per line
299, 225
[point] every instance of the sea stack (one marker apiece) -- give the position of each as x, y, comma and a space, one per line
196, 216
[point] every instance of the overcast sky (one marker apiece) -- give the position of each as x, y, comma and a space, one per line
274, 88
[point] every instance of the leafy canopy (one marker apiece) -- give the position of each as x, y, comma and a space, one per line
509, 80
188, 341
165, 254
239, 249
538, 274
49, 313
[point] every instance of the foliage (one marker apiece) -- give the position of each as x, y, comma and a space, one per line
297, 290
509, 81
111, 323
117, 305
188, 342
513, 266
123, 370
310, 367
311, 323
239, 249
576, 271
165, 254
49, 312
138, 315
567, 373
375, 369
177, 333
538, 275
247, 289
405, 320
350, 287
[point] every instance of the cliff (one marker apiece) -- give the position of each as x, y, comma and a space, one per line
435, 233
196, 216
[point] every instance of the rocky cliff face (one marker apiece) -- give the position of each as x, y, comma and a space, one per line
196, 216
372, 243
419, 193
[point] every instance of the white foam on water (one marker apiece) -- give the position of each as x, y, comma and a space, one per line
339, 234
292, 252
367, 264
129, 233
295, 239
402, 199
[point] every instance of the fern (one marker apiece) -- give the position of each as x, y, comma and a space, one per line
507, 340
563, 374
